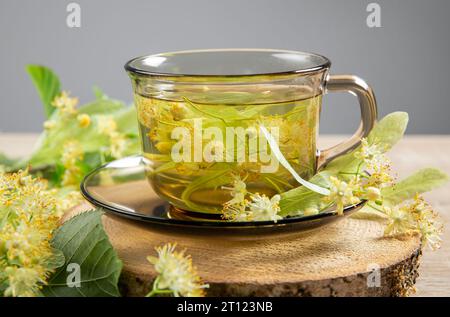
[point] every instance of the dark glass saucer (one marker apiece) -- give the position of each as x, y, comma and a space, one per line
121, 188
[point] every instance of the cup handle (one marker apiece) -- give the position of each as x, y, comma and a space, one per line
358, 87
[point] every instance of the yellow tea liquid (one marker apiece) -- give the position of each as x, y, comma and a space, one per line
195, 181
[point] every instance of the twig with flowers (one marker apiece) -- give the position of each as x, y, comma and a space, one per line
363, 175
28, 217
37, 189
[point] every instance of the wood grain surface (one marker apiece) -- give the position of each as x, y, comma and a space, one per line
335, 260
410, 154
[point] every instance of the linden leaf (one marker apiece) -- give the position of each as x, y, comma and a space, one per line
213, 179
296, 200
421, 181
386, 133
389, 130
56, 260
47, 85
101, 106
280, 157
84, 243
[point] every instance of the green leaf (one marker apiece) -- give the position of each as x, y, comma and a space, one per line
84, 242
421, 181
389, 130
296, 200
280, 157
346, 163
98, 93
57, 260
127, 121
47, 85
211, 180
101, 106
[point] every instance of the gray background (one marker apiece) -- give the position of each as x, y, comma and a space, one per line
405, 61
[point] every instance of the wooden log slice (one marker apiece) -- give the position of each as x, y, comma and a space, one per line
336, 260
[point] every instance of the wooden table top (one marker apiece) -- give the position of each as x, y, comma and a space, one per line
410, 154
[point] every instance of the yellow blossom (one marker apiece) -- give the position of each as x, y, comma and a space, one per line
400, 220
373, 193
176, 273
379, 176
178, 111
117, 144
370, 152
65, 104
415, 216
71, 156
263, 208
237, 212
49, 124
29, 216
428, 224
106, 125
65, 201
342, 193
84, 120
238, 191
117, 141
23, 281
257, 208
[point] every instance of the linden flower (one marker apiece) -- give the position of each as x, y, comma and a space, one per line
177, 275
118, 144
65, 104
106, 125
65, 201
49, 124
431, 234
237, 212
73, 152
238, 191
259, 208
379, 175
71, 156
29, 215
262, 208
84, 120
369, 153
428, 225
178, 112
373, 193
160, 135
400, 220
416, 216
23, 281
342, 193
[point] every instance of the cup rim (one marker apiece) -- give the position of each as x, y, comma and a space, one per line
324, 64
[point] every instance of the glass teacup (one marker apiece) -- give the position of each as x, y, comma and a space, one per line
206, 117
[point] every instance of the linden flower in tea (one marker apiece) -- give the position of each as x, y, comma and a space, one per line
194, 149
254, 208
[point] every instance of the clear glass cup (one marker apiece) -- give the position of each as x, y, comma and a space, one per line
202, 113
